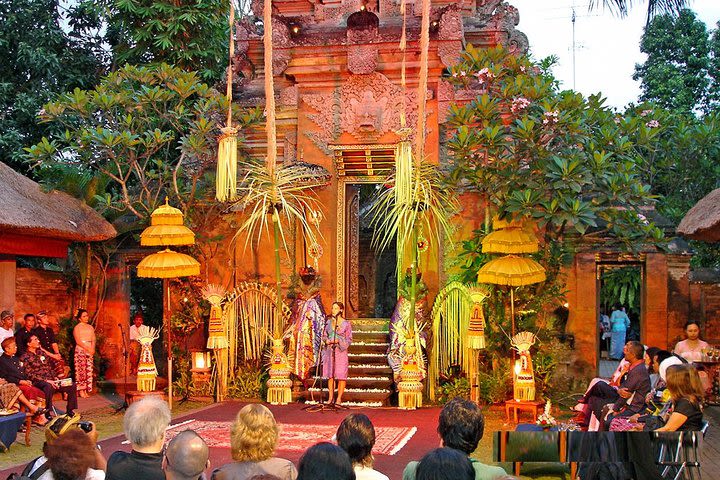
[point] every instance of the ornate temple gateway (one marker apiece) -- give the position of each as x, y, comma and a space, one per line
337, 70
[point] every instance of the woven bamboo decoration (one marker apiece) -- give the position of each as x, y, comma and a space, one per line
226, 176
279, 383
523, 375
147, 372
410, 386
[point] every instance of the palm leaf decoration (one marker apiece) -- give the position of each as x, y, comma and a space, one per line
404, 209
285, 192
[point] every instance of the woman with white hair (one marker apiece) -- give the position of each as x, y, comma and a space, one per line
253, 438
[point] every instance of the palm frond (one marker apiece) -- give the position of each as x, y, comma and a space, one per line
287, 191
430, 206
655, 7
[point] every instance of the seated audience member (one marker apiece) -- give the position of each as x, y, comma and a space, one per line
144, 425
49, 345
11, 369
40, 371
356, 435
59, 425
11, 395
186, 457
582, 406
686, 393
23, 334
461, 426
72, 457
7, 321
253, 438
445, 464
691, 348
629, 398
325, 461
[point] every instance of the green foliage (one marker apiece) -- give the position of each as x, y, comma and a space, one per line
190, 34
457, 387
566, 161
495, 380
46, 49
151, 131
680, 159
249, 382
677, 72
655, 7
621, 286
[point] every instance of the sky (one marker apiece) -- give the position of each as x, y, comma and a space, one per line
606, 47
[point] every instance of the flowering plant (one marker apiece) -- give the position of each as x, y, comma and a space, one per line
546, 419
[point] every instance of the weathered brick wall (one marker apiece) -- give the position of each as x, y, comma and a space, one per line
37, 290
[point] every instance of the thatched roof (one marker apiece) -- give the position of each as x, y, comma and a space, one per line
27, 210
702, 222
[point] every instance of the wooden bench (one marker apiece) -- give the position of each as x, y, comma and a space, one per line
523, 405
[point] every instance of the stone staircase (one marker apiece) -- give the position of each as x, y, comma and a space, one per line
370, 379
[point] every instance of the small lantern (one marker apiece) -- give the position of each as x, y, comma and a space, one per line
200, 368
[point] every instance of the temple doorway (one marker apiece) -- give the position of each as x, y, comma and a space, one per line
371, 280
620, 286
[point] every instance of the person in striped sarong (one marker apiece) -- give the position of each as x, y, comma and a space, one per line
84, 335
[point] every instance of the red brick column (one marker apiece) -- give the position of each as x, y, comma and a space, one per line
582, 299
654, 324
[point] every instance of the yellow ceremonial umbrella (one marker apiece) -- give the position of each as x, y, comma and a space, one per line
167, 228
510, 240
513, 271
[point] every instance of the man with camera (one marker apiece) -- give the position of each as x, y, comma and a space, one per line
42, 374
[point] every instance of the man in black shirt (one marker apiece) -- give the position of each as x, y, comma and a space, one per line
49, 345
23, 335
144, 424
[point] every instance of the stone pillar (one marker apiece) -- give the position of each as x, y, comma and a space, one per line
582, 300
654, 323
678, 296
115, 311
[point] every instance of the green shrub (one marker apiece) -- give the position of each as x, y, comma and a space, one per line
249, 382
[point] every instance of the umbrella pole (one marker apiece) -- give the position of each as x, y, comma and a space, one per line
512, 311
166, 323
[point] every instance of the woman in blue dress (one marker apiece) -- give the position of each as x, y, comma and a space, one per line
619, 324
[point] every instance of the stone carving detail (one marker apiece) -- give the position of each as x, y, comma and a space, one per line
365, 106
445, 96
503, 22
362, 34
281, 47
487, 7
451, 24
290, 147
362, 59
289, 96
354, 294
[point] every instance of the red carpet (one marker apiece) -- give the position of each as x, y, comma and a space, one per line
297, 437
425, 438
392, 421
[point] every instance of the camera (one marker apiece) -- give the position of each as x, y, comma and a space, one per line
85, 426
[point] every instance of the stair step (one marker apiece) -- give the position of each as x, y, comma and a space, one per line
370, 324
361, 382
371, 370
369, 347
368, 358
370, 336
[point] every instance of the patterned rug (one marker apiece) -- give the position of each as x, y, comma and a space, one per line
297, 437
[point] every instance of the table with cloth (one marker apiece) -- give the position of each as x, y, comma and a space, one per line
9, 426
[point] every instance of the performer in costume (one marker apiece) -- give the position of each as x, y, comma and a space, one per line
85, 342
336, 337
134, 343
399, 324
308, 316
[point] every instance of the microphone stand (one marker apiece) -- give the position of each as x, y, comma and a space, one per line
322, 406
125, 354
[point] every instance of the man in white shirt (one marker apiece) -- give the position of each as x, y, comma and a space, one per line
6, 326
134, 343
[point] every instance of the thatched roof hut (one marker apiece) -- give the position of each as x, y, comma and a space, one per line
702, 222
28, 215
